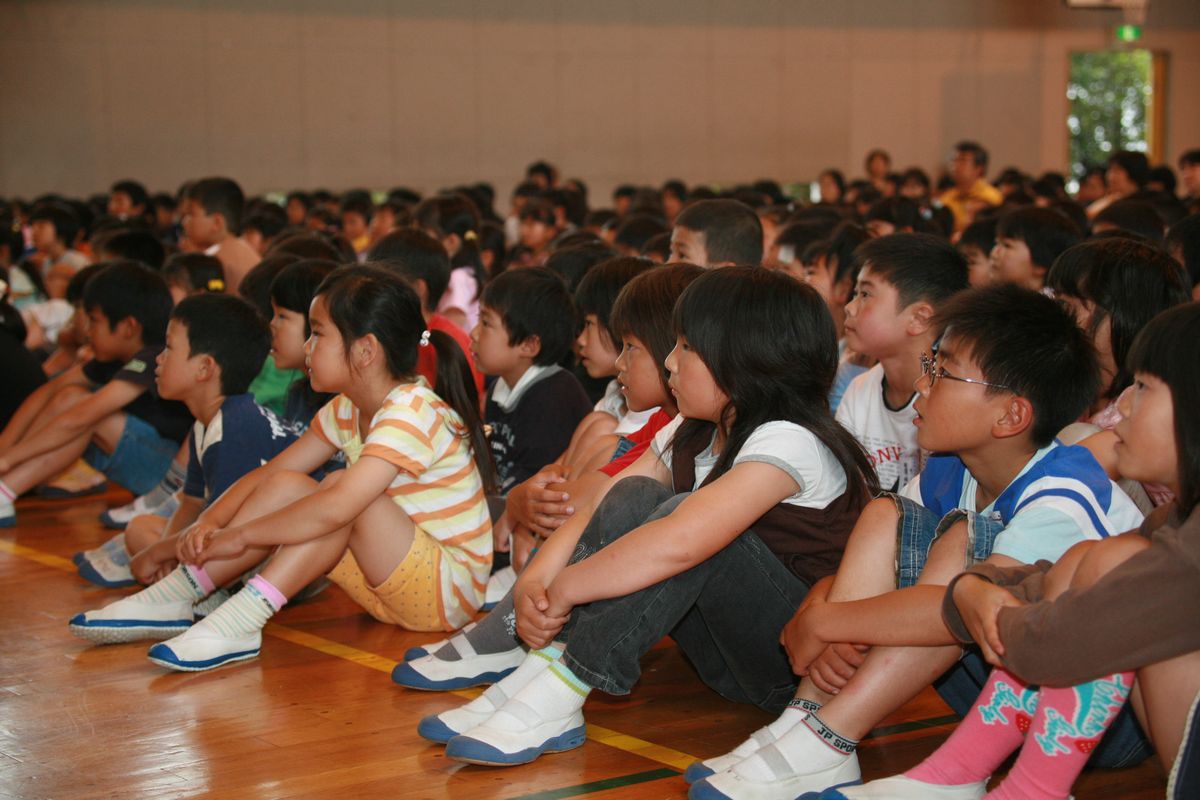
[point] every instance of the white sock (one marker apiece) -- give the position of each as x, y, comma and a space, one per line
7, 495
185, 582
247, 611
803, 748
792, 716
550, 695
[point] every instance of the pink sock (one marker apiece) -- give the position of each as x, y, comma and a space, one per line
1068, 726
994, 727
276, 598
7, 493
200, 577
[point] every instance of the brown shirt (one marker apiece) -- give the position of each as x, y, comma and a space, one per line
1144, 611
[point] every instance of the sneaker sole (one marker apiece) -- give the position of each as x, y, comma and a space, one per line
133, 631
434, 730
706, 791
111, 523
404, 675
55, 493
93, 576
472, 751
162, 655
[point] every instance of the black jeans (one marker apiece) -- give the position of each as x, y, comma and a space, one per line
725, 613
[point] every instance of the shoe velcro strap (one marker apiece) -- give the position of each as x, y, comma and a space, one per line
462, 646
495, 695
762, 737
523, 712
775, 762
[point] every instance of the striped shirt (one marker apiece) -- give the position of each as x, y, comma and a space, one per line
438, 485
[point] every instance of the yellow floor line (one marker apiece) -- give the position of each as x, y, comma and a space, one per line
605, 736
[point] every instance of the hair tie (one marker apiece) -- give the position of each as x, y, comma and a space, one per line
470, 236
425, 338
216, 285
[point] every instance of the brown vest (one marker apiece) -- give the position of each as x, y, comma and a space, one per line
809, 541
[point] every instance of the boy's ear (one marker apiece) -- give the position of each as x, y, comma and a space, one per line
220, 216
920, 317
208, 369
128, 328
531, 347
1017, 418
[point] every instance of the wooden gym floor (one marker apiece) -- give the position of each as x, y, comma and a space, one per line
317, 715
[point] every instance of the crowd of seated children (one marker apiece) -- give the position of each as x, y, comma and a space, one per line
978, 477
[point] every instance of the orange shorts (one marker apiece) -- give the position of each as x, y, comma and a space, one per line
410, 597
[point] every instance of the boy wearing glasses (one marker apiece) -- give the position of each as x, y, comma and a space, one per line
904, 279
1009, 372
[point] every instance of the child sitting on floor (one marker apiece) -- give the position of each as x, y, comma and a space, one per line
404, 530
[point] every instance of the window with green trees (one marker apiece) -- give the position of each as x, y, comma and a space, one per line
1111, 95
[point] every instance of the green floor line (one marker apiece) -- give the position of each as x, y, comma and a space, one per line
915, 725
600, 786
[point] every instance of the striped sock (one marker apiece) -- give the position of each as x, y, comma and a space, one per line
171, 483
248, 610
185, 582
561, 671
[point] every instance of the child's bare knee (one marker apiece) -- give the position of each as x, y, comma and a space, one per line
67, 397
1102, 557
877, 520
286, 486
947, 556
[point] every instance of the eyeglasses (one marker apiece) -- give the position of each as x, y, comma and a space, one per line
931, 370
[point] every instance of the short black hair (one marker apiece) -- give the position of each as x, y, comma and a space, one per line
1164, 175
920, 265
732, 231
80, 280
255, 288
1046, 232
295, 285
125, 289
1189, 157
136, 244
267, 223
414, 255
1135, 164
231, 331
64, 219
137, 192
600, 286
1135, 216
220, 196
573, 262
1128, 282
1184, 236
980, 234
195, 271
1022, 340
796, 237
355, 204
534, 302
637, 229
975, 150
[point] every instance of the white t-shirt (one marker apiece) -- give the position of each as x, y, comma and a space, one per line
888, 436
613, 404
786, 445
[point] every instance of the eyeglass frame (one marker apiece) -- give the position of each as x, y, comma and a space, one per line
931, 370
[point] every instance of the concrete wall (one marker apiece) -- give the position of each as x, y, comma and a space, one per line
383, 92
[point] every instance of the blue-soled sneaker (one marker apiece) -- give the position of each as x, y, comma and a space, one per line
431, 674
101, 570
202, 647
130, 620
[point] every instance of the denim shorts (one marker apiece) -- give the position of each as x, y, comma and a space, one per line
624, 445
140, 459
917, 528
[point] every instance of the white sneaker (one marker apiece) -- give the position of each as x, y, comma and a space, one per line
413, 653
118, 518
784, 784
518, 733
899, 787
114, 548
203, 647
101, 570
432, 674
131, 619
445, 726
499, 585
711, 766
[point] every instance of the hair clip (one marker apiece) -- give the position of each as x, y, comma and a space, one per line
425, 338
216, 285
470, 236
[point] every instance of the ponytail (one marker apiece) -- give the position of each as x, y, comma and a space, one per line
456, 385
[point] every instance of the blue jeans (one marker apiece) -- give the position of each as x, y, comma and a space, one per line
140, 459
724, 613
916, 530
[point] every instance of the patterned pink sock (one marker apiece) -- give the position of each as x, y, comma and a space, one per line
7, 493
1068, 726
994, 727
